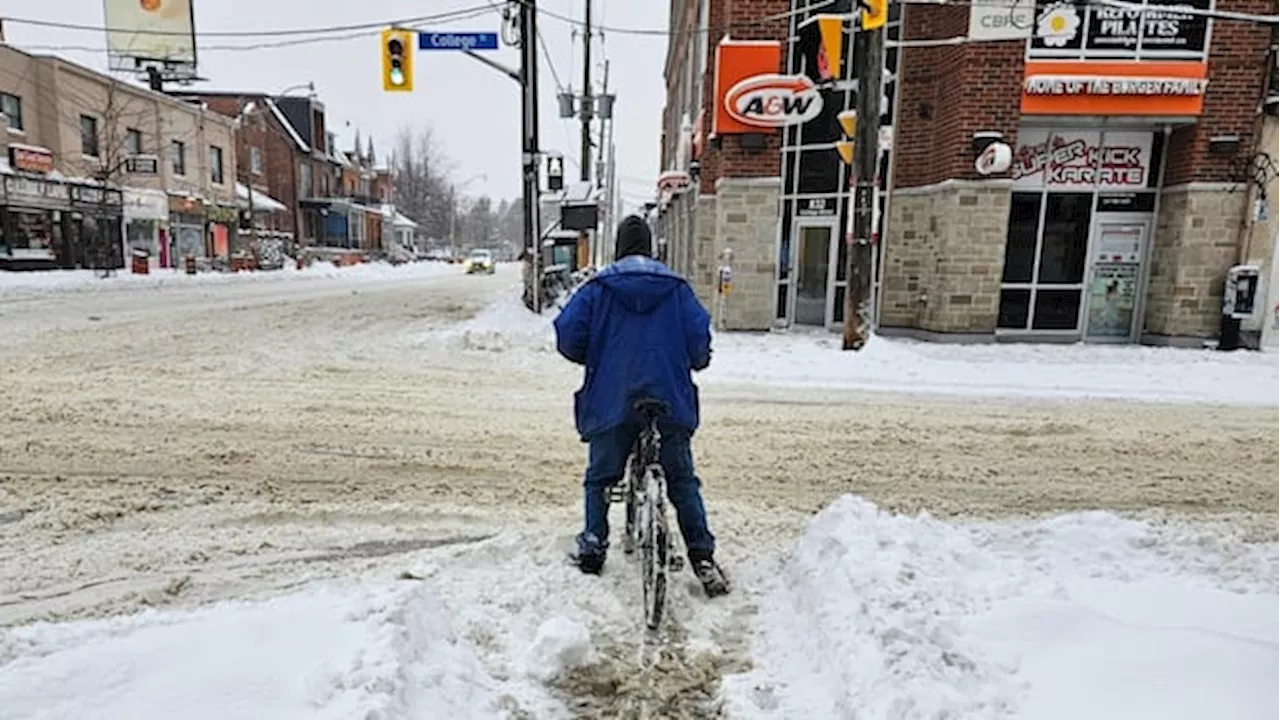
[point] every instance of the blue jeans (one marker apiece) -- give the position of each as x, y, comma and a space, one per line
607, 461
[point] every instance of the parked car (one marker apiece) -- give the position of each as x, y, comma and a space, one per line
480, 261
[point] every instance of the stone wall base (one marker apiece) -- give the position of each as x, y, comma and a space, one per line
746, 221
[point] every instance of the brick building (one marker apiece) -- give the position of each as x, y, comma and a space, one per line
1109, 211
93, 166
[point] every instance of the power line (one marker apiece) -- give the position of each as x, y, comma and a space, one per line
451, 18
407, 22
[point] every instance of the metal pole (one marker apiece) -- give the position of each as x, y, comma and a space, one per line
585, 107
868, 58
529, 147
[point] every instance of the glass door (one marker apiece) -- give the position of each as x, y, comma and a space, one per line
1045, 254
1114, 277
813, 273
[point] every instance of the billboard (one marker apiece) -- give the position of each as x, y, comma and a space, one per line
151, 32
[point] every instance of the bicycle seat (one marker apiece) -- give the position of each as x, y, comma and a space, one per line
651, 407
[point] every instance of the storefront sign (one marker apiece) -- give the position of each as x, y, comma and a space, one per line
30, 158
816, 207
1162, 30
736, 61
179, 205
82, 195
994, 159
145, 205
1001, 20
142, 164
1069, 160
1114, 88
34, 192
222, 213
674, 182
773, 101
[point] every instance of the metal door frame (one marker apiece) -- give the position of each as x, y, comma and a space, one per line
1147, 221
799, 222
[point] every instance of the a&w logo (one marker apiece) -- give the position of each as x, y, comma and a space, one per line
773, 100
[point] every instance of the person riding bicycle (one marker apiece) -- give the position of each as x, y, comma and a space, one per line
639, 331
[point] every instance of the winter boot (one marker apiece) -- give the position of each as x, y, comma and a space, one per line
591, 554
714, 582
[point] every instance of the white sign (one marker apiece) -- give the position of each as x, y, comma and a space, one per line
773, 101
1104, 85
1066, 160
145, 204
994, 158
1001, 19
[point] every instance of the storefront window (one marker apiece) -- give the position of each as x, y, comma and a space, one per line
1020, 248
819, 172
1066, 237
140, 234
30, 230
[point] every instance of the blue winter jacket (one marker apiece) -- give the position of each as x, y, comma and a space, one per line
640, 331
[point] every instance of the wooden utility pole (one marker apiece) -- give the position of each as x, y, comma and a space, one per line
868, 58
585, 107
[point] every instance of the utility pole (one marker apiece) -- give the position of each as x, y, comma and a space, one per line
868, 58
528, 77
585, 109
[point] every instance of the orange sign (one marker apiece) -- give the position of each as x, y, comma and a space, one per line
1072, 87
30, 158
737, 60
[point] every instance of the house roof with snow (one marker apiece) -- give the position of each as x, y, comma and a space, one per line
262, 202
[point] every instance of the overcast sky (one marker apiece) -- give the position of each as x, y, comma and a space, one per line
474, 110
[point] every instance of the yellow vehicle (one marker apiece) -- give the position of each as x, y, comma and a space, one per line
480, 261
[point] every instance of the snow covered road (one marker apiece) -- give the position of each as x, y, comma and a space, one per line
346, 494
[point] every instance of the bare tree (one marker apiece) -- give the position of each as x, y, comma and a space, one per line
115, 141
421, 177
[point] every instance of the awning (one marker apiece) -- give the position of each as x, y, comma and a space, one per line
262, 202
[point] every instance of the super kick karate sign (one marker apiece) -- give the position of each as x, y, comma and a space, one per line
1081, 160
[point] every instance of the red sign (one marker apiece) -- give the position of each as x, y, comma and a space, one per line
1149, 87
738, 60
773, 101
30, 158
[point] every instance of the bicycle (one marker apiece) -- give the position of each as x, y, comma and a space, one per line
644, 490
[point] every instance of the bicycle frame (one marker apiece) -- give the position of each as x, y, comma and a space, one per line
644, 491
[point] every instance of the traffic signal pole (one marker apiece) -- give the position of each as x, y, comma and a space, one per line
529, 146
868, 59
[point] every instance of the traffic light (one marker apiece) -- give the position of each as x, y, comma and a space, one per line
821, 42
875, 13
397, 60
849, 126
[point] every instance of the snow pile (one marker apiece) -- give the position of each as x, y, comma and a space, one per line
560, 644
506, 325
1087, 615
65, 281
1084, 370
866, 623
351, 653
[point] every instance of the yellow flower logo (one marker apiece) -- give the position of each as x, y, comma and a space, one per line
1058, 25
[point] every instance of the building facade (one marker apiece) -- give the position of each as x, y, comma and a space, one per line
1112, 213
96, 168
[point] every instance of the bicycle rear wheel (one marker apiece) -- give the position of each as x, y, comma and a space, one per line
653, 548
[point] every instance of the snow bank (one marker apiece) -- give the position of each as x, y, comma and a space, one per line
65, 281
1084, 370
883, 616
506, 325
377, 654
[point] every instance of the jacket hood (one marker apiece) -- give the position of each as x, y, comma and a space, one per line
639, 283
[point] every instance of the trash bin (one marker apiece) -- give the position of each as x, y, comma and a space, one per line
189, 262
141, 262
